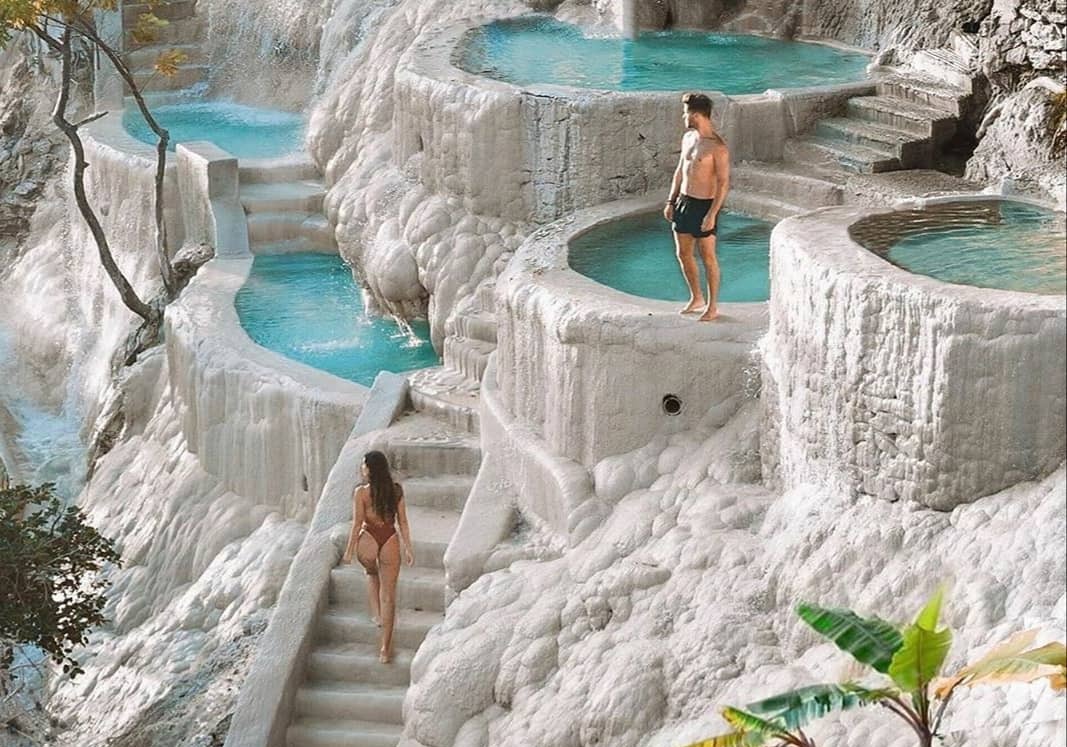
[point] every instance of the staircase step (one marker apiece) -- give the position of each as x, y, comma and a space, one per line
944, 66
343, 701
286, 169
458, 409
186, 31
478, 325
761, 206
911, 151
186, 76
822, 151
420, 589
312, 732
918, 119
277, 226
342, 624
431, 531
174, 10
358, 663
795, 185
468, 356
923, 91
415, 456
145, 57
299, 245
299, 196
448, 492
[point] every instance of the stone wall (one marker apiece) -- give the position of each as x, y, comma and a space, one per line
885, 383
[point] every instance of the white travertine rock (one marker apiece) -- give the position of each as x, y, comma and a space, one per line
199, 564
883, 382
681, 602
588, 367
1016, 146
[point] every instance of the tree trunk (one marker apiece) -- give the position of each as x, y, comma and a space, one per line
166, 269
59, 115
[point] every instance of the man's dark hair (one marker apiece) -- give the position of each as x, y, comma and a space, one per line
698, 103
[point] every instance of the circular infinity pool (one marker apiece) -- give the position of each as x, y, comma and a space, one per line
636, 255
538, 49
307, 307
996, 244
243, 131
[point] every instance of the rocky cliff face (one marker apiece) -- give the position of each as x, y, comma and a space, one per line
30, 148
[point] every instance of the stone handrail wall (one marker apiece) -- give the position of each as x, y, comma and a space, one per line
882, 382
538, 152
211, 211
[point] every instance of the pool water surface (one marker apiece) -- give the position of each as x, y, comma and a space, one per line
532, 50
307, 307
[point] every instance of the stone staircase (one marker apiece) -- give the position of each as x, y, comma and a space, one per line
349, 699
912, 115
450, 392
283, 204
470, 334
183, 33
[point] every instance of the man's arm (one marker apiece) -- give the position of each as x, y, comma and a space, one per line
676, 185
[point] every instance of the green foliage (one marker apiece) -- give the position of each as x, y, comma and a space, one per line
733, 739
50, 593
871, 641
919, 660
912, 658
797, 708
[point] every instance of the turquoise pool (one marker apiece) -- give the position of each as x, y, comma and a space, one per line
539, 49
995, 244
636, 255
243, 131
307, 307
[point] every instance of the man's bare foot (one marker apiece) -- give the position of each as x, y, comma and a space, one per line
693, 306
709, 315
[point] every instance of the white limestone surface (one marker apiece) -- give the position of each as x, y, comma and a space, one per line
896, 385
681, 602
201, 567
588, 367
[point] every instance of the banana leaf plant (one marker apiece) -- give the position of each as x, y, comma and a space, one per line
913, 655
780, 720
910, 656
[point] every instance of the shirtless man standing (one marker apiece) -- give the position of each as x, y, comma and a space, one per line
698, 190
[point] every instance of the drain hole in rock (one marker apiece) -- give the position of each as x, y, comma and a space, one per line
671, 404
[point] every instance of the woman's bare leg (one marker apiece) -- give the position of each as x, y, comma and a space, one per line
367, 554
389, 568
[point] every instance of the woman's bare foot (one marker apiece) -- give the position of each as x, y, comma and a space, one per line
376, 620
385, 656
710, 314
694, 305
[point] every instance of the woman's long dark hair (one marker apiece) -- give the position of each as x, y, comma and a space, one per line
382, 487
